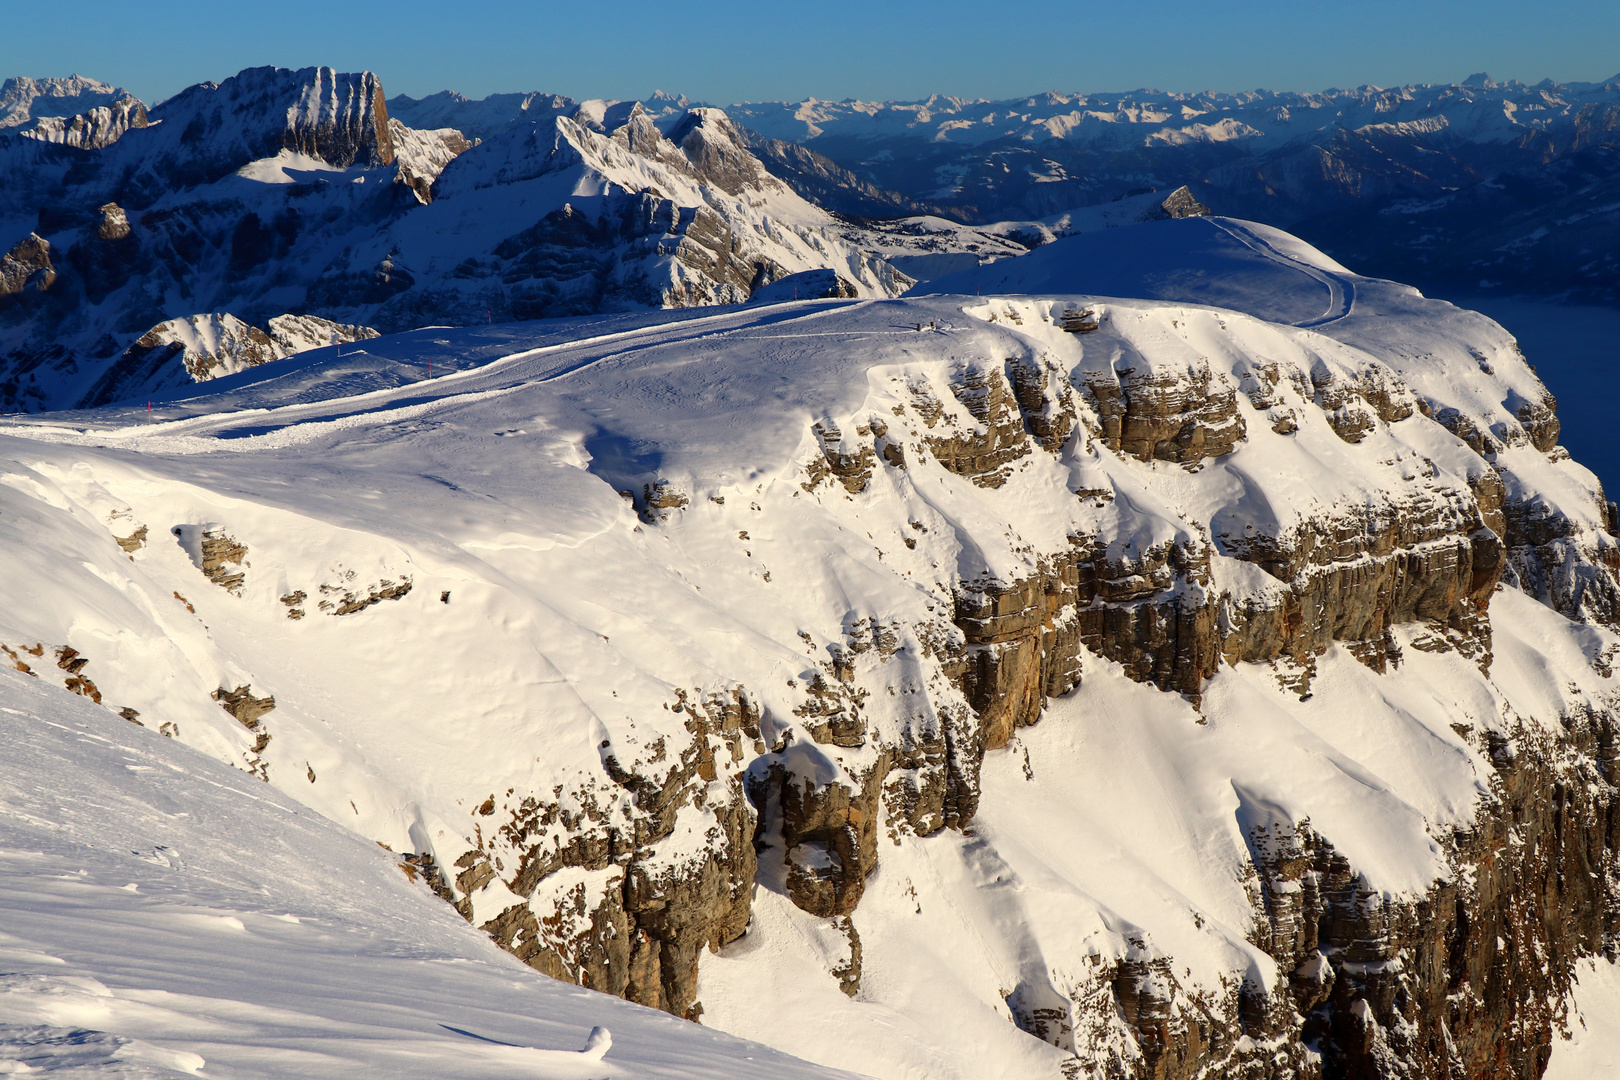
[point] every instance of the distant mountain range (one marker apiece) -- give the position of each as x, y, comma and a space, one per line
1476, 184
308, 193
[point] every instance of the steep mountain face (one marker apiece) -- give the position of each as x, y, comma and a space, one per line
623, 217
1025, 684
294, 192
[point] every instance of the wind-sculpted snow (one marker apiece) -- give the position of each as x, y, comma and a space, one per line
167, 916
698, 656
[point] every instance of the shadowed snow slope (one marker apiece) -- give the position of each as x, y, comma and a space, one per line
164, 915
1245, 266
698, 656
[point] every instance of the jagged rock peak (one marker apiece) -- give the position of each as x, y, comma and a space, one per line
211, 129
24, 100
94, 128
718, 151
704, 145
27, 263
422, 155
1182, 203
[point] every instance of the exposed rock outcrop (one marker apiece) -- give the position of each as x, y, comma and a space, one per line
420, 156
1465, 981
98, 127
203, 347
637, 920
26, 266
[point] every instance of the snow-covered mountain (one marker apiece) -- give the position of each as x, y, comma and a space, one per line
75, 111
478, 118
1478, 109
1513, 185
28, 105
280, 192
1053, 681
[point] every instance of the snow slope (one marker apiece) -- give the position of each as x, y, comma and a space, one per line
165, 915
513, 594
1592, 1050
1217, 261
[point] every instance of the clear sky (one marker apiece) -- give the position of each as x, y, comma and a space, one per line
723, 51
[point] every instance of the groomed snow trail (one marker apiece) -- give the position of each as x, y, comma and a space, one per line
1341, 289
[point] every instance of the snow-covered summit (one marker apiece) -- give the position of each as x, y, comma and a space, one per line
24, 100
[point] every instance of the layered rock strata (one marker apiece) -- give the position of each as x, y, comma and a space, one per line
1382, 987
974, 516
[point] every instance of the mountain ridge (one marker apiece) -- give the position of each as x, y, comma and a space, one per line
1026, 683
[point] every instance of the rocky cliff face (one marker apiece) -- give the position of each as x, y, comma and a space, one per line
208, 131
91, 130
1133, 687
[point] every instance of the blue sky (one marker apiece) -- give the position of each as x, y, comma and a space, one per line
725, 51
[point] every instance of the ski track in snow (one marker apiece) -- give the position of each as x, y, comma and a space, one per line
1341, 289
